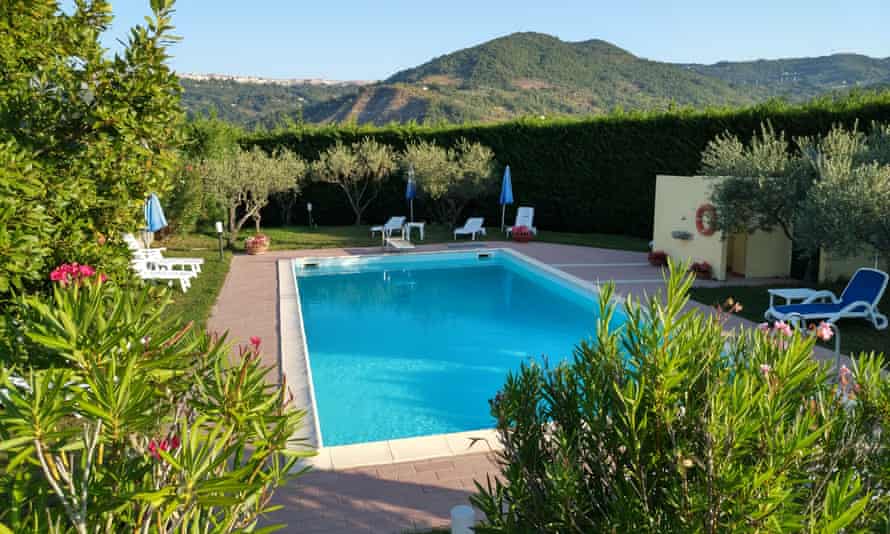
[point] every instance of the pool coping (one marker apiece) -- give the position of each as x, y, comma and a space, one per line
297, 369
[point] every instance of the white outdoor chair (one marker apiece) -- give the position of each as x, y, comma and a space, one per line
472, 227
525, 216
394, 224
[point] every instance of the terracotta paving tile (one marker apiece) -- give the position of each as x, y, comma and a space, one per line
425, 466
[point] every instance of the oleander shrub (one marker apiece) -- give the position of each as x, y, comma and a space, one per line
114, 418
583, 175
665, 425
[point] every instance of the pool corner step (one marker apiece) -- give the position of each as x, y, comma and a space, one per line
398, 244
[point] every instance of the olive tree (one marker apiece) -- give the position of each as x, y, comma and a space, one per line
243, 180
830, 192
762, 183
452, 178
847, 209
358, 170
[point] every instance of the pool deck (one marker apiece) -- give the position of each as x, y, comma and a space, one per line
401, 485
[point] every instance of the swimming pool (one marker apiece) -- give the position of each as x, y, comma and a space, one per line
414, 345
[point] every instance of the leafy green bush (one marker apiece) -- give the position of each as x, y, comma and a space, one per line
115, 419
581, 175
102, 130
26, 229
665, 425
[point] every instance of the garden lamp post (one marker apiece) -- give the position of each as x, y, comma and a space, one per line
219, 233
309, 211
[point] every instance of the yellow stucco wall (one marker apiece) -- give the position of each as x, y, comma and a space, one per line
830, 269
676, 199
768, 255
764, 254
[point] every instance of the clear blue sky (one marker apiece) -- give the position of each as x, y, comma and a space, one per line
366, 39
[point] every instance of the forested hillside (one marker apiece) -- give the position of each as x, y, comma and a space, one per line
534, 74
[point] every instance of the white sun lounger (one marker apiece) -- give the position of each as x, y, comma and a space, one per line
525, 216
148, 270
156, 256
472, 227
394, 224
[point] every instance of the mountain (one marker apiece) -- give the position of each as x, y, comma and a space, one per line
532, 74
256, 103
799, 79
529, 73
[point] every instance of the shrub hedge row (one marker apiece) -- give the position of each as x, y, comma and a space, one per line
582, 175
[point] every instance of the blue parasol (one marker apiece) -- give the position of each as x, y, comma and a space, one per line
506, 194
411, 190
154, 214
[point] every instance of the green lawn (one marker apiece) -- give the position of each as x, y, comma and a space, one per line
303, 237
856, 335
196, 304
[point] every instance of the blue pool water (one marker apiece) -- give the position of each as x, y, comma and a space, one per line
417, 345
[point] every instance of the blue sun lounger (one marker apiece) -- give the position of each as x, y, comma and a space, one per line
859, 300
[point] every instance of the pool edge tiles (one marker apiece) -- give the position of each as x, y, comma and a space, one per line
293, 363
397, 449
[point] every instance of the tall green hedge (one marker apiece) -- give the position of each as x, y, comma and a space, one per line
582, 175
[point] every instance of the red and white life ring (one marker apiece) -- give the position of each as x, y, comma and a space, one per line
706, 219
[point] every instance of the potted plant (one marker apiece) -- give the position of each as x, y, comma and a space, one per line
521, 234
658, 258
701, 269
256, 244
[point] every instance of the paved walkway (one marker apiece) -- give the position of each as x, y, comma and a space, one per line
411, 495
396, 498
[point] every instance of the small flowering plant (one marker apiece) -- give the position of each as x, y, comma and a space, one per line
701, 269
257, 243
658, 258
257, 240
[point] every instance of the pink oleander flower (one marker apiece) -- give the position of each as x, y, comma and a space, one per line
255, 342
74, 273
165, 445
783, 328
765, 369
824, 331
763, 327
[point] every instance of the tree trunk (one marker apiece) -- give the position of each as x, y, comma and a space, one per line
358, 218
233, 230
812, 271
256, 220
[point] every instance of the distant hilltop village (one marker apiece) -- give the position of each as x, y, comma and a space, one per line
271, 81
